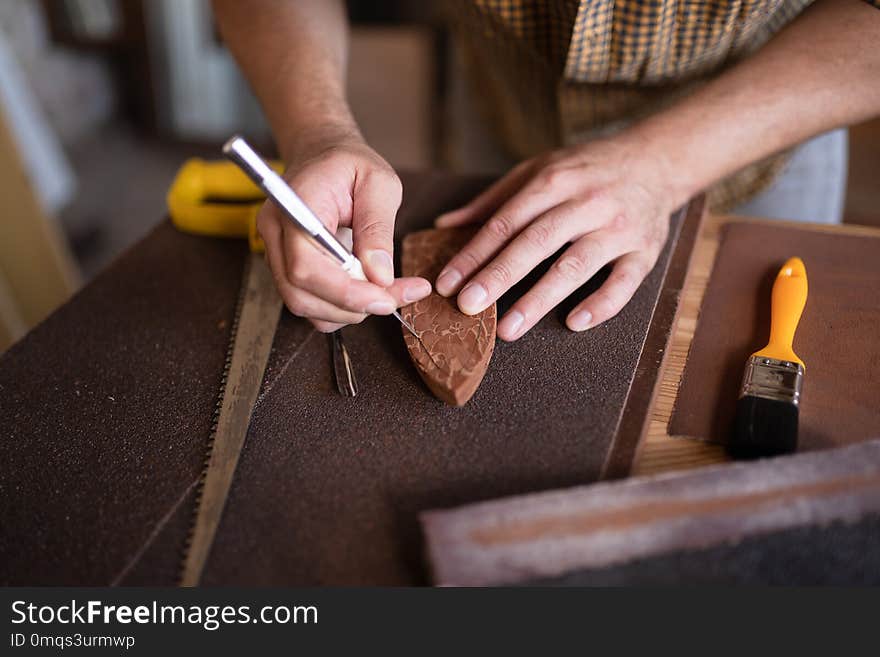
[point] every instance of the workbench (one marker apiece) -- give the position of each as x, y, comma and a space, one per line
658, 450
107, 406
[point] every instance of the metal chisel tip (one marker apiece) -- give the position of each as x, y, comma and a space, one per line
406, 324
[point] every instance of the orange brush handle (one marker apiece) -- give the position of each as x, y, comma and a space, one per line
787, 304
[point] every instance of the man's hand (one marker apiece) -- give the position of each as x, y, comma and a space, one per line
607, 199
610, 199
294, 55
345, 183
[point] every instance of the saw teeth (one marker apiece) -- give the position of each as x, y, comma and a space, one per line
209, 446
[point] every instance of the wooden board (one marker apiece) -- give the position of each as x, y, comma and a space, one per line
37, 271
452, 350
659, 451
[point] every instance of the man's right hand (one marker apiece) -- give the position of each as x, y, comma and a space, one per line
294, 56
345, 183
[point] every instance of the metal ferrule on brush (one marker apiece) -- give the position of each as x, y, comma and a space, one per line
770, 378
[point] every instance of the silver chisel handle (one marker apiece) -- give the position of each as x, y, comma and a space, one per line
240, 152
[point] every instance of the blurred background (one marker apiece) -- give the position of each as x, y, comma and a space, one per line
102, 100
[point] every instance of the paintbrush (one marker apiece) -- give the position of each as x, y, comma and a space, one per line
766, 420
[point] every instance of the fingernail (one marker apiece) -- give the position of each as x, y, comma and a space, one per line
580, 321
446, 282
472, 298
382, 265
416, 291
443, 219
380, 308
511, 324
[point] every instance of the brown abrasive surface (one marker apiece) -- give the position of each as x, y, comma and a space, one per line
450, 350
105, 410
836, 337
590, 528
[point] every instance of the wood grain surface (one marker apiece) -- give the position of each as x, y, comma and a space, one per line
452, 350
659, 451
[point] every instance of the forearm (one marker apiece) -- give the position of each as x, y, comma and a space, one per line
294, 54
820, 73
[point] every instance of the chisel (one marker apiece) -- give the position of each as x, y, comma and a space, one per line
240, 152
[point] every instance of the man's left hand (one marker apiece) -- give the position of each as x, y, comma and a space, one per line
609, 199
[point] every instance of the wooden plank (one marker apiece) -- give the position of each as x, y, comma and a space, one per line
632, 428
659, 451
452, 350
12, 326
37, 268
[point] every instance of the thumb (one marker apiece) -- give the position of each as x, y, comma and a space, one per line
375, 202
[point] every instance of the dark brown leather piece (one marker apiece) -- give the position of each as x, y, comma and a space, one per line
105, 411
836, 337
452, 350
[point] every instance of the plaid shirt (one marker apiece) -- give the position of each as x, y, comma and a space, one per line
555, 72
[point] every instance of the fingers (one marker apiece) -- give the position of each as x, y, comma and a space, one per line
326, 327
628, 273
313, 286
298, 301
575, 267
376, 199
305, 304
408, 290
326, 317
308, 305
269, 228
537, 241
306, 268
487, 202
535, 198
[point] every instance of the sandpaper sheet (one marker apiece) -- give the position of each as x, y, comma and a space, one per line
105, 411
743, 522
837, 336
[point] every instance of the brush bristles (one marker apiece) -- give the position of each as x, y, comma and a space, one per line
764, 427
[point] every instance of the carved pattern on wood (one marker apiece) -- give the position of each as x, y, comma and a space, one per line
453, 349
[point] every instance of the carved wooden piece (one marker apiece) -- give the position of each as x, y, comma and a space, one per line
453, 350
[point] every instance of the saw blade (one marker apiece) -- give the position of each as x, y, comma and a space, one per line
253, 331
